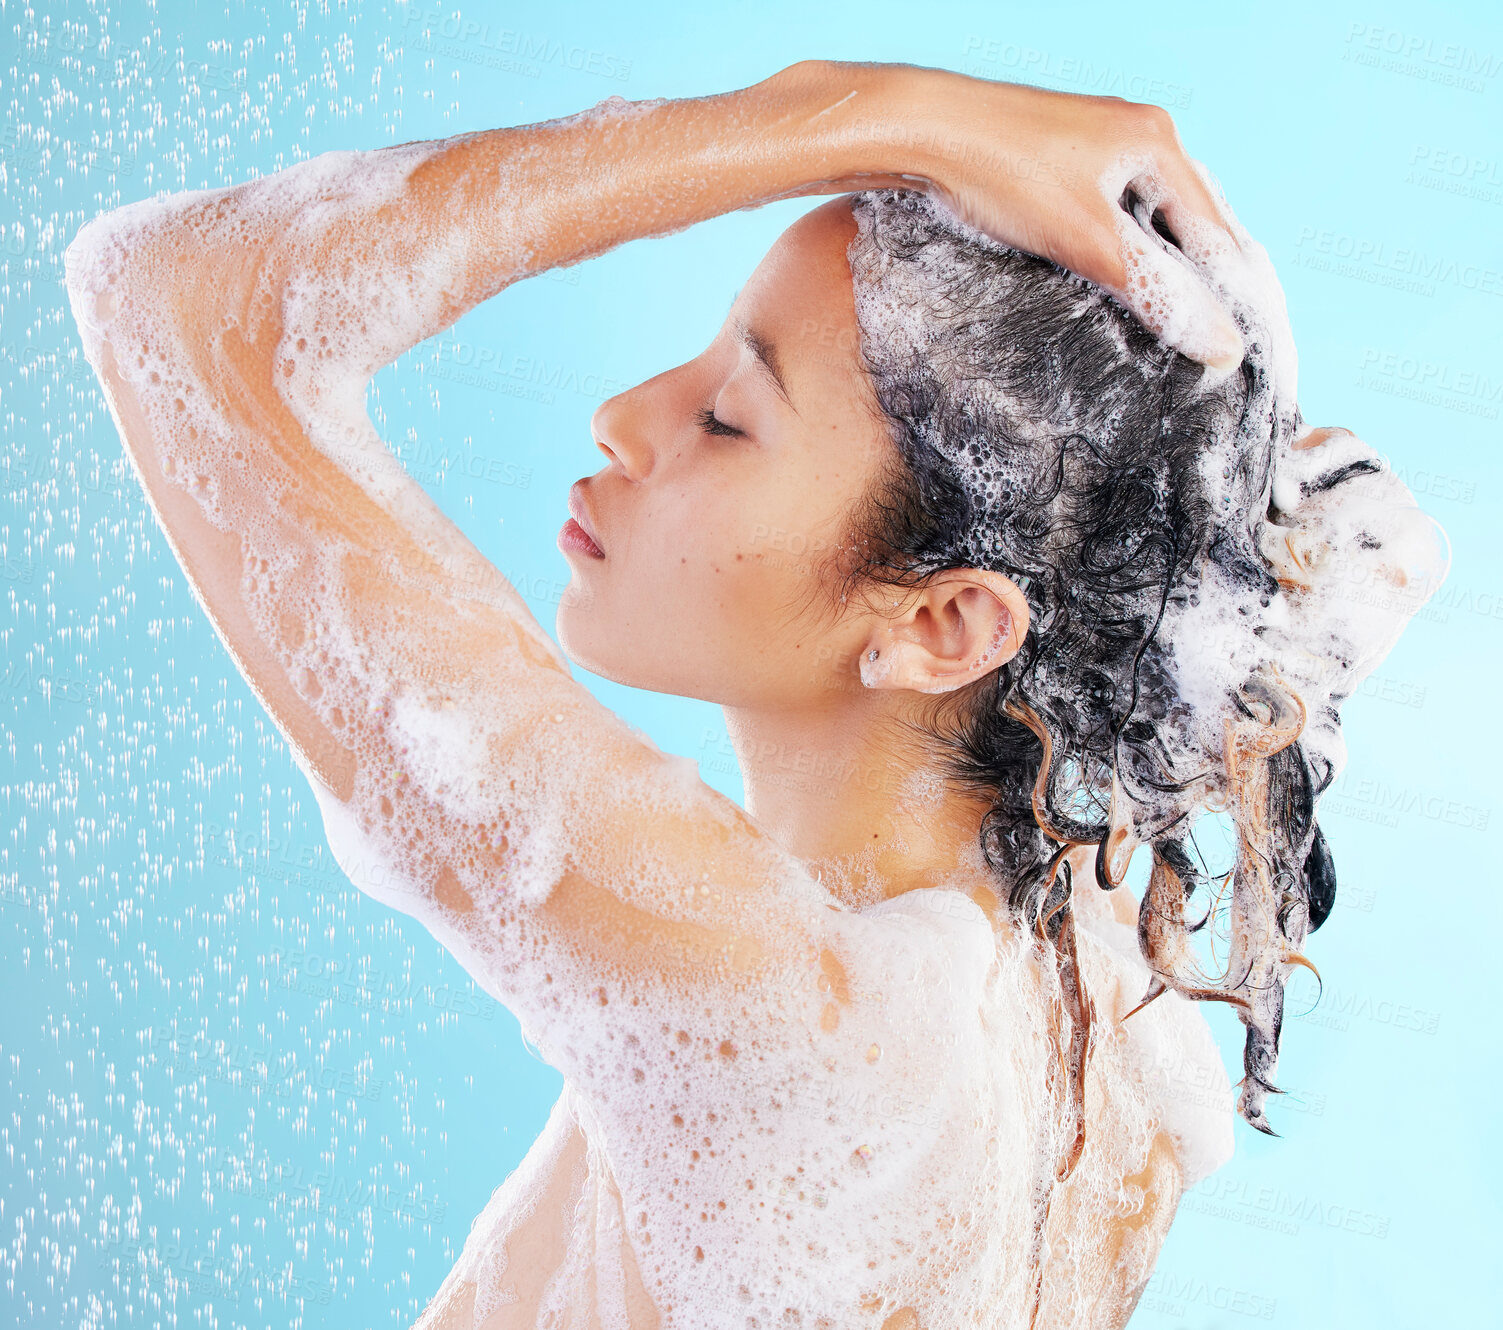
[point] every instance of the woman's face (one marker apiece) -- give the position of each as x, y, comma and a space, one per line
709, 586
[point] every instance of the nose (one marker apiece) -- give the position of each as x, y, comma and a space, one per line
622, 427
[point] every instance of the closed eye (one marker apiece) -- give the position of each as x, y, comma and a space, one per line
712, 424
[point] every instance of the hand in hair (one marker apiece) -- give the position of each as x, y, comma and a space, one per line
1098, 185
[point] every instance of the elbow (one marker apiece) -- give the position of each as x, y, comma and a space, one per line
87, 278
85, 250
138, 256
98, 266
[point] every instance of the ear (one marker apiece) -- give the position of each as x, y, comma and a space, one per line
962, 625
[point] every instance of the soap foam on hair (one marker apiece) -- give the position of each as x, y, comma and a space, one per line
1294, 568
767, 1159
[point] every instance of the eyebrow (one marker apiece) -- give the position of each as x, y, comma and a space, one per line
767, 356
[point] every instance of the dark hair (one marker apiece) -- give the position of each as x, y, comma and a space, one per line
1044, 433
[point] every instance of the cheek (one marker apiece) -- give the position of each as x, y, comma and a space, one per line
722, 563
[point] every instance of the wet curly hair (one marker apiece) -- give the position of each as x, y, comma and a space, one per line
1042, 432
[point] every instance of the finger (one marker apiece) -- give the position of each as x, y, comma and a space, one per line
1171, 299
1178, 192
1217, 195
1239, 269
1200, 220
1169, 200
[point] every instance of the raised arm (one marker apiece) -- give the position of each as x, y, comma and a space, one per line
235, 330
463, 774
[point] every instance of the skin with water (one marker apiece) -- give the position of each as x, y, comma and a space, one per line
808, 1056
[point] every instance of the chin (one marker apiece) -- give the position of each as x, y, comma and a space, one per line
572, 639
590, 648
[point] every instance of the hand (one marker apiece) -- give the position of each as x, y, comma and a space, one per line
1083, 181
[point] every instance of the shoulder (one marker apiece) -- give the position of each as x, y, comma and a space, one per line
935, 938
1169, 1042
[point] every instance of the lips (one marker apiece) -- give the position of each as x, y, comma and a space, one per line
580, 514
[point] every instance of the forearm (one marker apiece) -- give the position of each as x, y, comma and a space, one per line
234, 330
541, 196
392, 246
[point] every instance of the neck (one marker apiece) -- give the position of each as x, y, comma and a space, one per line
862, 805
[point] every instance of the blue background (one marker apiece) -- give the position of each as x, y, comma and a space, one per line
237, 1092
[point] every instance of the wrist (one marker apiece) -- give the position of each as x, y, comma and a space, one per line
860, 125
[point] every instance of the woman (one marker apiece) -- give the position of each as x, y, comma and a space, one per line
844, 1058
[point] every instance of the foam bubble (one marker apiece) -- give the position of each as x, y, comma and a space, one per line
827, 1181
1168, 292
744, 1145
1307, 561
